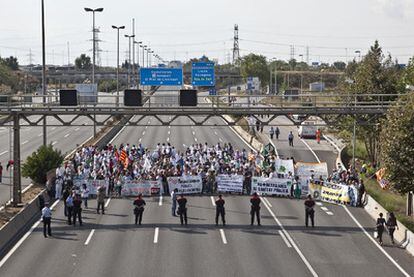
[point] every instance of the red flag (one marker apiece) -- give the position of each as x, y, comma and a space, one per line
380, 178
123, 156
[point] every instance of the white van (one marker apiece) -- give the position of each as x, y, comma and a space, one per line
307, 129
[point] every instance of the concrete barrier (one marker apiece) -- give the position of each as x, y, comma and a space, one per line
11, 232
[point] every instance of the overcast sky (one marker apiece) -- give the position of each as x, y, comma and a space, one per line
181, 29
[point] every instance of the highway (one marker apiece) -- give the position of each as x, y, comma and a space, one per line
111, 245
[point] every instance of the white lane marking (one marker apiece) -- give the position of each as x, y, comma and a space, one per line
149, 122
193, 133
274, 145
305, 261
215, 132
195, 139
107, 202
285, 239
213, 201
67, 135
143, 133
117, 135
220, 140
160, 201
223, 236
24, 142
146, 127
156, 233
4, 152
88, 239
20, 242
140, 140
267, 201
375, 242
53, 143
324, 208
329, 213
319, 203
168, 139
313, 152
39, 135
169, 132
53, 128
77, 129
169, 127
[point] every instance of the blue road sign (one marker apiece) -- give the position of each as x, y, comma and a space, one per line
212, 91
161, 76
202, 74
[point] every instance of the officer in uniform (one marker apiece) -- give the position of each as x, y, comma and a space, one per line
139, 204
309, 211
220, 210
182, 209
174, 201
255, 208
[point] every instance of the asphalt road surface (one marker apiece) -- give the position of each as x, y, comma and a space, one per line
111, 245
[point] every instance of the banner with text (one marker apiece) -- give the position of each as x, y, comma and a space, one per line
274, 186
91, 184
144, 187
185, 184
334, 193
229, 183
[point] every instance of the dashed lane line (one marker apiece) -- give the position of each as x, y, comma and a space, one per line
88, 239
24, 142
4, 152
324, 208
67, 135
285, 239
160, 201
213, 201
156, 233
223, 236
53, 143
107, 202
329, 213
292, 242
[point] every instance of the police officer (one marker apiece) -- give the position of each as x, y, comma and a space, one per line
182, 209
220, 210
69, 208
255, 209
309, 211
100, 199
139, 204
47, 218
77, 209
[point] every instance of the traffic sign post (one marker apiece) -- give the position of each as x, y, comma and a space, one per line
202, 74
161, 76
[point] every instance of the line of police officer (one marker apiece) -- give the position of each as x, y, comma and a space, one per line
255, 201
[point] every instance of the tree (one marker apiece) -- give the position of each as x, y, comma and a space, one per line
397, 141
11, 62
40, 162
254, 65
409, 73
83, 62
376, 74
339, 65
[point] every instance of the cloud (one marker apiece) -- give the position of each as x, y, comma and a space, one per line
397, 9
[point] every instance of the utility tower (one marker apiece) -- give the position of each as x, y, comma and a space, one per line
98, 50
236, 49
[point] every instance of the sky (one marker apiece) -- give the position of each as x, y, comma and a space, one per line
331, 30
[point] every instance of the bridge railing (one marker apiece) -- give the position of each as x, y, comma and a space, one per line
171, 101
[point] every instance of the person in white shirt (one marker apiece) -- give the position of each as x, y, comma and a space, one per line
47, 218
85, 195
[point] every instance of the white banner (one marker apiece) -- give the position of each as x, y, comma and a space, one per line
92, 185
305, 170
229, 183
144, 187
274, 186
283, 167
185, 184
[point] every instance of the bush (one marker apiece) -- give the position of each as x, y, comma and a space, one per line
40, 162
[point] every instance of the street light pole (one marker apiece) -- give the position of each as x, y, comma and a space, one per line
143, 54
129, 56
93, 55
117, 63
44, 90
